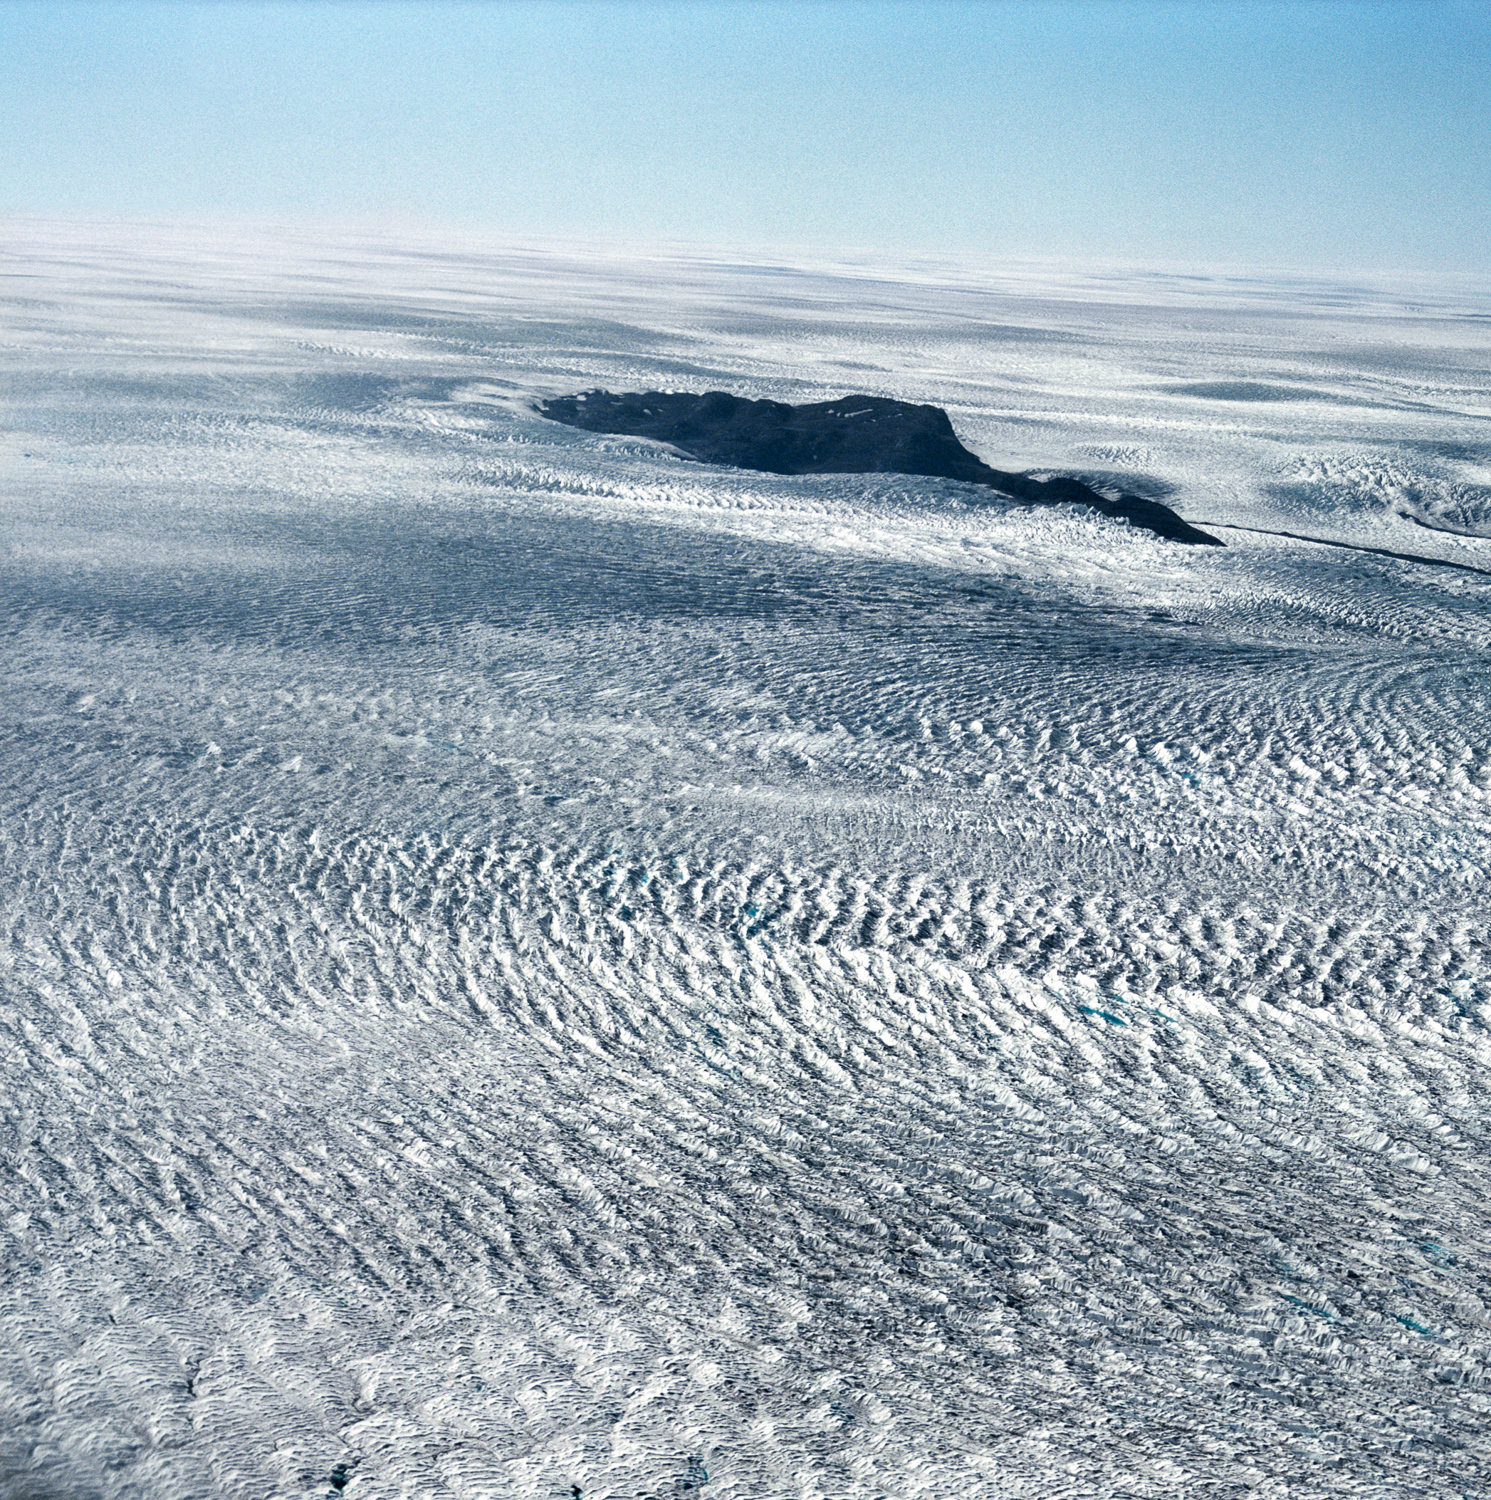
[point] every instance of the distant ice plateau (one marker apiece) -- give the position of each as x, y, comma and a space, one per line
533, 966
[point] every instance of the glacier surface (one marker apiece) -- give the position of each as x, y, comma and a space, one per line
533, 967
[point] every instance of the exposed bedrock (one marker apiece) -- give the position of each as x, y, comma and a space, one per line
854, 435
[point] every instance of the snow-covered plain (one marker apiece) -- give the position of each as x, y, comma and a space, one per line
533, 967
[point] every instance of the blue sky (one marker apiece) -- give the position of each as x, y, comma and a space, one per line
1340, 135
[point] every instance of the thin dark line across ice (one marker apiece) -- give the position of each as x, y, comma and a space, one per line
1320, 541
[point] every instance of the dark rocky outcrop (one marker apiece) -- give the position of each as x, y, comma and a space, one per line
856, 435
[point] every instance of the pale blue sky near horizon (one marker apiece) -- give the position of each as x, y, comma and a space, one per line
1324, 134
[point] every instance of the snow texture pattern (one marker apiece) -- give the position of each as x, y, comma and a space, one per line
531, 967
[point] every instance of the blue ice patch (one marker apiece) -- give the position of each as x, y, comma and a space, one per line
1089, 1010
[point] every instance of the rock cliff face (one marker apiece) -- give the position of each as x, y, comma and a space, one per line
855, 435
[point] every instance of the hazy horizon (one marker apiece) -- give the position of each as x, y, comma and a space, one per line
1345, 137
